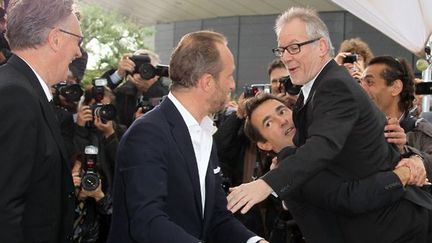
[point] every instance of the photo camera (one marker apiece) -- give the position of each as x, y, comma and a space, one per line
350, 58
148, 104
146, 70
107, 112
285, 85
253, 89
71, 92
90, 178
424, 88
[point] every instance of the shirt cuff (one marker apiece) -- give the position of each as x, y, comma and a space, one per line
115, 77
254, 239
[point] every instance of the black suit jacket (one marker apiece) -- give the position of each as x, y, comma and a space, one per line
340, 131
157, 192
37, 194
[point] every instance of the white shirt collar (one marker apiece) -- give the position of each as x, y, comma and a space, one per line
308, 86
206, 124
45, 87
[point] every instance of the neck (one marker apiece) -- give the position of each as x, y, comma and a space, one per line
192, 102
393, 111
40, 65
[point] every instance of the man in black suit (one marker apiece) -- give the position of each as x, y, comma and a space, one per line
37, 200
167, 184
338, 129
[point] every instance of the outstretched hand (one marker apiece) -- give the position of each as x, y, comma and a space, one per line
246, 195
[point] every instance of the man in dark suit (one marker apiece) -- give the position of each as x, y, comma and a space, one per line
37, 200
167, 182
339, 129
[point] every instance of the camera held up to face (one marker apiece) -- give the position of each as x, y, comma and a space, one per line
107, 112
285, 85
146, 70
90, 178
253, 89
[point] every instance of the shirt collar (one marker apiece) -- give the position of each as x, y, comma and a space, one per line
206, 123
306, 88
45, 87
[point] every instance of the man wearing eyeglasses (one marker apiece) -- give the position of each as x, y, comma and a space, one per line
338, 129
37, 193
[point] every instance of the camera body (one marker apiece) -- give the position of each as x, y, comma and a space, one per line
351, 58
286, 85
71, 92
107, 112
148, 104
90, 179
253, 89
146, 70
423, 88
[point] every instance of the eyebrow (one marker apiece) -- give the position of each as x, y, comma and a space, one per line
278, 108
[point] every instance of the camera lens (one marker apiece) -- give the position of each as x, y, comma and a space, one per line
90, 181
71, 92
106, 112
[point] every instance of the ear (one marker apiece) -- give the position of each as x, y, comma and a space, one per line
323, 46
266, 146
206, 82
54, 40
396, 87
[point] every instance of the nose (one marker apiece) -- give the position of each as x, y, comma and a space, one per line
78, 54
232, 85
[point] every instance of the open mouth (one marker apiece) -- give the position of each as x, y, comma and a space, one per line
289, 130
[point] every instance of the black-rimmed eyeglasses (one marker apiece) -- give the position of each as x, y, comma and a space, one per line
81, 38
292, 48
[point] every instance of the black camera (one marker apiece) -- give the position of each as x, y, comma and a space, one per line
253, 89
71, 92
423, 88
285, 85
148, 104
351, 58
106, 112
146, 70
90, 178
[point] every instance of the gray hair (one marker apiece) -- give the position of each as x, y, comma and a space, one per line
29, 21
153, 56
315, 27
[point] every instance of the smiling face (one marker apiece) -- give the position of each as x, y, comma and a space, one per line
273, 120
306, 64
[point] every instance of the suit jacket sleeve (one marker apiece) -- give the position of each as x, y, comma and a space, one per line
328, 191
144, 175
333, 104
18, 136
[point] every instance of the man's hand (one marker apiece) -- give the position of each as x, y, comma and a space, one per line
417, 170
142, 84
246, 195
125, 65
394, 133
107, 129
84, 115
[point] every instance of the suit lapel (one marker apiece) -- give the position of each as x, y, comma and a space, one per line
210, 188
47, 109
182, 138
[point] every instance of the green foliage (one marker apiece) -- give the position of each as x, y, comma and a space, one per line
108, 36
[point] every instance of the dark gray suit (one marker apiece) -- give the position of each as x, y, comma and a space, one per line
37, 194
340, 131
156, 188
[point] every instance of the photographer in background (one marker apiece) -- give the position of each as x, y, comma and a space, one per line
66, 96
95, 126
94, 207
4, 45
135, 87
354, 54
